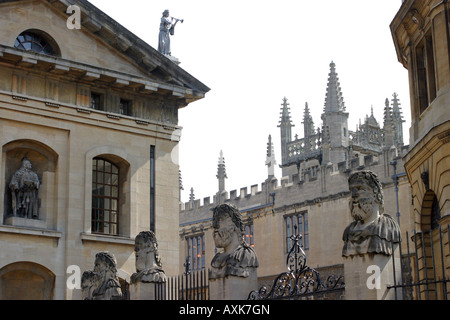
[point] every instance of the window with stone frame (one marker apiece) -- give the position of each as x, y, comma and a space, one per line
125, 107
249, 235
196, 252
105, 197
426, 77
297, 224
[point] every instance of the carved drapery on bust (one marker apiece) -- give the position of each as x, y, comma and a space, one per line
102, 283
24, 188
237, 258
372, 231
148, 263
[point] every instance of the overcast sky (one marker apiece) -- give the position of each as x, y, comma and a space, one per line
252, 53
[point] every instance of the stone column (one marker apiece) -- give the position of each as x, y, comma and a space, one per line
368, 276
232, 287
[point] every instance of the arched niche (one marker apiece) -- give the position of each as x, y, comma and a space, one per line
44, 163
26, 281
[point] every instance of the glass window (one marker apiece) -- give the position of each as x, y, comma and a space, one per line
295, 225
196, 252
125, 107
96, 101
33, 42
249, 236
105, 197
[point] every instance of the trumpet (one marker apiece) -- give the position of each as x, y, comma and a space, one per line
181, 20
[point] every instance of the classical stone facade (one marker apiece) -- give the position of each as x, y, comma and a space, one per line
94, 109
312, 197
421, 36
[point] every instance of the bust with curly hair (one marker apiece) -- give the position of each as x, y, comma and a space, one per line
237, 258
372, 231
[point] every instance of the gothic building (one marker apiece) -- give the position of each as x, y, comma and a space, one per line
312, 196
88, 134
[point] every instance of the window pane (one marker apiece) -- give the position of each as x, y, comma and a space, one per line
105, 216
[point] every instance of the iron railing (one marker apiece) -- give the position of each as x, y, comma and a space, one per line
193, 285
425, 267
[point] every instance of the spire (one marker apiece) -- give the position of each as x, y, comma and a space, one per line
180, 179
285, 114
398, 120
334, 102
387, 115
308, 123
221, 172
270, 159
285, 126
192, 195
388, 125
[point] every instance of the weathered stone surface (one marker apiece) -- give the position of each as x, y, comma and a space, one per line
372, 231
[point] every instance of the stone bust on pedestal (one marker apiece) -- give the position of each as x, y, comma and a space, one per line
148, 263
102, 283
237, 258
372, 231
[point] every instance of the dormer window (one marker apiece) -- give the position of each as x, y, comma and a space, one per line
36, 41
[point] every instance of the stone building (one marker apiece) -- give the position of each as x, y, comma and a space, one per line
421, 36
88, 137
312, 197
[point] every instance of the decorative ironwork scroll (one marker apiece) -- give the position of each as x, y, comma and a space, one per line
300, 280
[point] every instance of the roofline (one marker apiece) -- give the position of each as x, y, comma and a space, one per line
116, 35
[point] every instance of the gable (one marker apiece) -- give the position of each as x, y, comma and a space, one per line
101, 41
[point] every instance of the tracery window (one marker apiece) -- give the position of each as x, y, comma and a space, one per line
30, 41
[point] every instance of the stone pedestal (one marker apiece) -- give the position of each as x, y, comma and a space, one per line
143, 291
233, 288
25, 222
368, 276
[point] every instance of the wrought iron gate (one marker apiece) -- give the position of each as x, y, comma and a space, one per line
300, 281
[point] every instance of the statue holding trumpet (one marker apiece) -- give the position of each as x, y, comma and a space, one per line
166, 29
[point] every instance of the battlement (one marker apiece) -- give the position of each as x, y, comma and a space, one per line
327, 180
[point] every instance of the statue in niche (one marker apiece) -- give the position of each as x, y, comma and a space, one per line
148, 263
372, 231
24, 188
237, 258
166, 29
102, 283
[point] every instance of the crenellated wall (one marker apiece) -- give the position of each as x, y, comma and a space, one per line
322, 193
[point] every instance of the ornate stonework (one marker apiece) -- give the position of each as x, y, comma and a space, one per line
24, 188
102, 283
372, 231
148, 263
237, 258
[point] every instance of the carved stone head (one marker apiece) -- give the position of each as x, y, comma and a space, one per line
367, 195
228, 226
146, 248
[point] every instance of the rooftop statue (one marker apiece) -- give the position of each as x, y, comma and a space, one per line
148, 262
372, 231
237, 257
166, 29
24, 188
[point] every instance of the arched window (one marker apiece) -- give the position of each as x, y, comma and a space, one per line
36, 41
105, 197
